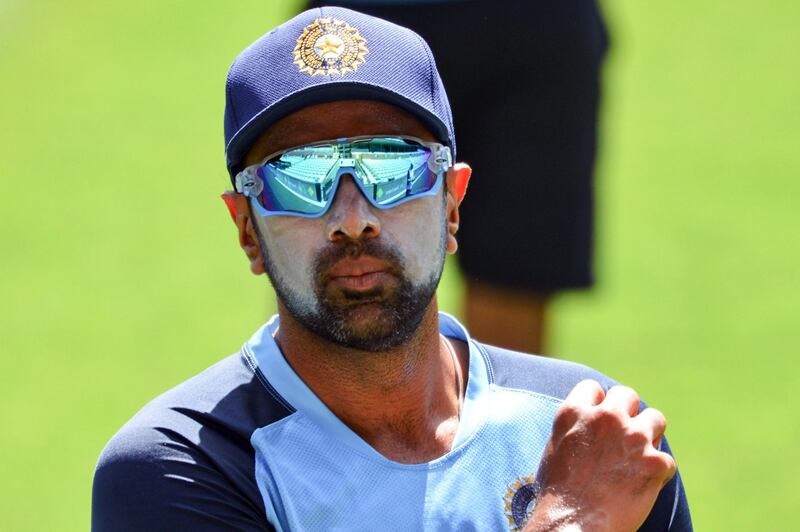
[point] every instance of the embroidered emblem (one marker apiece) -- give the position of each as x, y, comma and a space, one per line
329, 46
520, 499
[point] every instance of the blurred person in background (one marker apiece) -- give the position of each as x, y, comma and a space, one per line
533, 148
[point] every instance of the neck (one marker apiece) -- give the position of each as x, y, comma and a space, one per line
403, 401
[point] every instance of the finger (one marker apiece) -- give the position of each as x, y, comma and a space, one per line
585, 393
653, 423
622, 398
672, 467
663, 467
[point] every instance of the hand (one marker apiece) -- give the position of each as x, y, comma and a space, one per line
601, 469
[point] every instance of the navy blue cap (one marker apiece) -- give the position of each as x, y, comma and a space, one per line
329, 54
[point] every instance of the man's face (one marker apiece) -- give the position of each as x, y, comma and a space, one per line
357, 276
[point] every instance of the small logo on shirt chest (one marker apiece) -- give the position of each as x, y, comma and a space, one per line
519, 501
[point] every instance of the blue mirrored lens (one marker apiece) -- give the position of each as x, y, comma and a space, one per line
387, 170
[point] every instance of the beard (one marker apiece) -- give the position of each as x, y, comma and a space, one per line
372, 320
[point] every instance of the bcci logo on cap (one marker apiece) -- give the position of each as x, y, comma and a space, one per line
329, 46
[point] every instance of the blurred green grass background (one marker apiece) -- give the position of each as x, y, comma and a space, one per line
121, 276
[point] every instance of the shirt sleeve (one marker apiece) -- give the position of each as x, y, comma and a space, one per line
156, 479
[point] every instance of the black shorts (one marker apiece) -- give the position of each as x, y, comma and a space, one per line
523, 79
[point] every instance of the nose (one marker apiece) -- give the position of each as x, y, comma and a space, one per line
351, 216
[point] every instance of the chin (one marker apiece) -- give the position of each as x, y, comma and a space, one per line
371, 328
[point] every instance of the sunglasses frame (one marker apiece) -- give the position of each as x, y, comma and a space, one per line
250, 184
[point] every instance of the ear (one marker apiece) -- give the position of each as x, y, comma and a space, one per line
248, 239
457, 181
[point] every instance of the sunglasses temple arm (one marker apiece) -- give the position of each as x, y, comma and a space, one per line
249, 183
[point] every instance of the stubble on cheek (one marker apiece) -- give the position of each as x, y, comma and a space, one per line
290, 272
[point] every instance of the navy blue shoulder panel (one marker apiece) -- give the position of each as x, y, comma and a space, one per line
556, 378
548, 376
185, 461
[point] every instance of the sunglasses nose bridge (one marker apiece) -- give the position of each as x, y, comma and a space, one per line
348, 174
350, 214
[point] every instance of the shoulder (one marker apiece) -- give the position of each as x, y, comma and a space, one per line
544, 375
185, 458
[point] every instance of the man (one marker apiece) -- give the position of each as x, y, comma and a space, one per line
359, 406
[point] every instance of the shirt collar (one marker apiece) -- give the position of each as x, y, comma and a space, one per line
274, 367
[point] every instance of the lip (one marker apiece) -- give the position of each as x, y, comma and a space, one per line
362, 273
357, 267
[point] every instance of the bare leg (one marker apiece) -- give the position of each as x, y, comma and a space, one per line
506, 317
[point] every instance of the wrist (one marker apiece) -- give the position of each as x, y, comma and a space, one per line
553, 514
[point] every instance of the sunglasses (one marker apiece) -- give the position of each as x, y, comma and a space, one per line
302, 181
